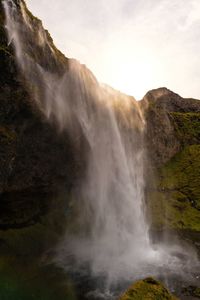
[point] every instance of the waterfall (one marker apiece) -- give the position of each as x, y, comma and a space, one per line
110, 232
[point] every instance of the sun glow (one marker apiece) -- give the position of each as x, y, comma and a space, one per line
131, 73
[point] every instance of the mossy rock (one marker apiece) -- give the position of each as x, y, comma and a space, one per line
197, 292
175, 202
187, 127
147, 289
173, 211
182, 174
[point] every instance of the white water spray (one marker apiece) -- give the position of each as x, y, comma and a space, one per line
111, 233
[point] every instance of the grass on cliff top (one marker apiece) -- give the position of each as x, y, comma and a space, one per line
175, 204
187, 126
147, 289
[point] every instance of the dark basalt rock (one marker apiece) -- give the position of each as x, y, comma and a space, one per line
34, 156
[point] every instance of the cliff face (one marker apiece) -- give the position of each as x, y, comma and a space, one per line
172, 123
173, 141
35, 160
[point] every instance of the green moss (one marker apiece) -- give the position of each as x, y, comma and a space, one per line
170, 210
31, 280
187, 126
182, 174
147, 289
176, 202
197, 292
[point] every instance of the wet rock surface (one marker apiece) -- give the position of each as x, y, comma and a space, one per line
35, 157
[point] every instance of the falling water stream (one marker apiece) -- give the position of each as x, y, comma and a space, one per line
111, 236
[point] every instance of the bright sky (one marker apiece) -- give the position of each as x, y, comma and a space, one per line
132, 45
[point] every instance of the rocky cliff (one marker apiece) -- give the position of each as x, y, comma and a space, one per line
36, 161
173, 142
172, 123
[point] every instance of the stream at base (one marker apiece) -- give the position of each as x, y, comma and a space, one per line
177, 274
28, 273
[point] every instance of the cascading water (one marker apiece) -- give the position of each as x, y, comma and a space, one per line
111, 233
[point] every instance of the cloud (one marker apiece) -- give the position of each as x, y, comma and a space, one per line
158, 40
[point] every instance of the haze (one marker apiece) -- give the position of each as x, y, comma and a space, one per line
132, 45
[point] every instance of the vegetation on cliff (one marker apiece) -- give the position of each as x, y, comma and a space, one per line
173, 140
175, 204
187, 127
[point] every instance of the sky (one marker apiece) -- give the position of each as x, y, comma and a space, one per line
132, 45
